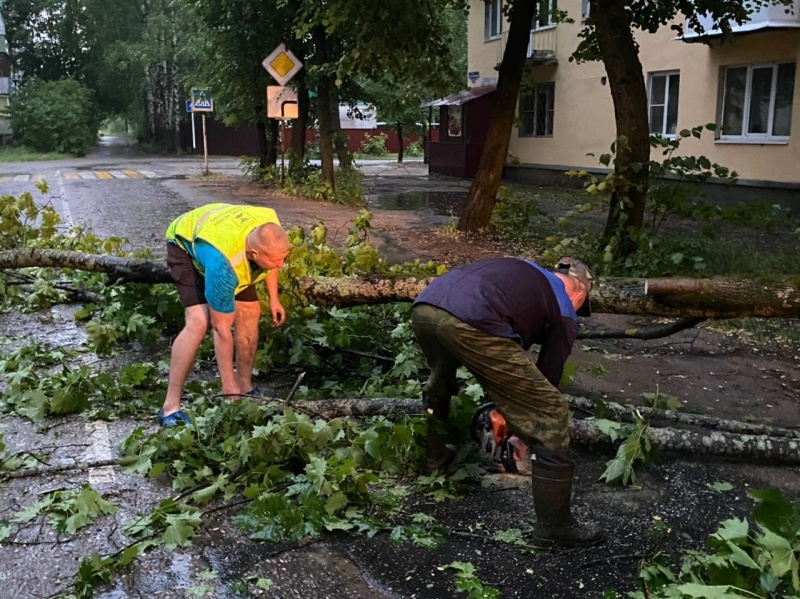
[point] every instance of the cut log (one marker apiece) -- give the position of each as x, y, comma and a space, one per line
749, 447
688, 298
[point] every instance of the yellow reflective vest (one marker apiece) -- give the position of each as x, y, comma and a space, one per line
225, 227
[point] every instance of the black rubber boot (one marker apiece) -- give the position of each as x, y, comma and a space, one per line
439, 451
552, 473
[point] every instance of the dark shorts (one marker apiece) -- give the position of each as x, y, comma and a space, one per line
191, 284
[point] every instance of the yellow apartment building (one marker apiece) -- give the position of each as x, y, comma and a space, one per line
747, 86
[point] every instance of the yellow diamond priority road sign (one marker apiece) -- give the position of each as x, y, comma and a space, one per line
282, 64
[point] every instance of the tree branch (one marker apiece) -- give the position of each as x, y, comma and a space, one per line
649, 332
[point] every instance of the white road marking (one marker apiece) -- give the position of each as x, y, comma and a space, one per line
87, 175
66, 214
99, 450
119, 174
21, 178
149, 174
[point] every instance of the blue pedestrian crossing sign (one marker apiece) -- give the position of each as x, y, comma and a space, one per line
202, 100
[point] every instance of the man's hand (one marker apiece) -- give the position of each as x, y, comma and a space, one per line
278, 313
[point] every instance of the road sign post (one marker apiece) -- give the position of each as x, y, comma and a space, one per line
191, 116
203, 102
282, 103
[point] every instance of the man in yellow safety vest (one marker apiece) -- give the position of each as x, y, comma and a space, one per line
216, 254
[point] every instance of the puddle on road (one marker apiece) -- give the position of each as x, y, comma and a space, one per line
443, 203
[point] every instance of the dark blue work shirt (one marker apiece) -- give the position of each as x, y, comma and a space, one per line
512, 298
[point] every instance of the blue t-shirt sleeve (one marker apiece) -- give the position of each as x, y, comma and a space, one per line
220, 280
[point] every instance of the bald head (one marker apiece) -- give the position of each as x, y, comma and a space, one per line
268, 246
269, 237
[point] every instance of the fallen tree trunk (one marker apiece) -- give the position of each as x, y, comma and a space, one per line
625, 412
125, 270
775, 449
690, 298
697, 298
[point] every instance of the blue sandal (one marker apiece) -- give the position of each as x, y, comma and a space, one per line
173, 419
254, 392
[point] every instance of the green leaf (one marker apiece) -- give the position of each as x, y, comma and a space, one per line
336, 502
721, 486
33, 405
732, 530
739, 556
704, 591
783, 559
180, 529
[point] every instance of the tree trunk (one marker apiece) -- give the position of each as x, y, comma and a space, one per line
399, 141
775, 449
324, 109
626, 79
300, 124
626, 412
483, 192
340, 141
717, 297
273, 141
705, 298
263, 152
128, 270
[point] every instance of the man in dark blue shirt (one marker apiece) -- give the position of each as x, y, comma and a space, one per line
485, 316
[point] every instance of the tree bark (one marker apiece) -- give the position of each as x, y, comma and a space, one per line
690, 298
324, 94
711, 298
340, 141
263, 152
620, 56
777, 450
300, 124
483, 192
625, 412
399, 141
128, 270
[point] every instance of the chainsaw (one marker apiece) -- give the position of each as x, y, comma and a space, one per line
490, 431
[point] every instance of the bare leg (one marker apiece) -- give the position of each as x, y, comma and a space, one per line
246, 341
184, 351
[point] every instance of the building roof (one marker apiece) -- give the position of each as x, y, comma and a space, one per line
462, 97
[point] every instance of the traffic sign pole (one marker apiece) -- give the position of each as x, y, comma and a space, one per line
194, 135
283, 137
205, 144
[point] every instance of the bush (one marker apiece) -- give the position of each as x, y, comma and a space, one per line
374, 145
55, 116
312, 150
414, 148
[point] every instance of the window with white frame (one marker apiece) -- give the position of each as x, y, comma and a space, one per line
757, 102
536, 110
585, 9
662, 97
493, 19
544, 14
